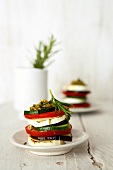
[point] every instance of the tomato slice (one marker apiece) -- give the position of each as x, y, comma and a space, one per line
33, 132
76, 94
82, 105
44, 115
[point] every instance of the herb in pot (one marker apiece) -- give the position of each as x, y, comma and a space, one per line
44, 52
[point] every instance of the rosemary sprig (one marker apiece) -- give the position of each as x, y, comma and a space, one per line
60, 105
44, 52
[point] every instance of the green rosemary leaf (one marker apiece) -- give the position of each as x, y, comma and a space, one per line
65, 104
44, 52
59, 105
64, 109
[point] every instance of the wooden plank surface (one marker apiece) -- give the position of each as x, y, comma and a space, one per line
94, 154
99, 126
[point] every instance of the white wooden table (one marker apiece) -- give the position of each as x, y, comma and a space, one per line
94, 154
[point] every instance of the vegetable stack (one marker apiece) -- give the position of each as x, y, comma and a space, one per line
76, 94
48, 123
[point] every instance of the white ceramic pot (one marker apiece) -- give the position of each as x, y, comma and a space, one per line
30, 86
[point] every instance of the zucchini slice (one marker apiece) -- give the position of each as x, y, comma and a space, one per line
53, 127
43, 110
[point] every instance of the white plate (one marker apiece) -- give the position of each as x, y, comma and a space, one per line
92, 108
20, 137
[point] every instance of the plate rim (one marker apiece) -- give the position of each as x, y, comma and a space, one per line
50, 148
92, 108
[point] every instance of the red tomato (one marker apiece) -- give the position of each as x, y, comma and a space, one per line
47, 133
82, 105
76, 94
44, 115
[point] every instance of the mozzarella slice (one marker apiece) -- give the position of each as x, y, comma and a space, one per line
73, 100
46, 121
76, 88
35, 142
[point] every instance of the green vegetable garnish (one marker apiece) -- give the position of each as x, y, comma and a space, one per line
60, 105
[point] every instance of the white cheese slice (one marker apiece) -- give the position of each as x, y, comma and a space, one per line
35, 142
73, 100
46, 121
76, 88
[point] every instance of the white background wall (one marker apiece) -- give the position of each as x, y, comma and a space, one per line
85, 30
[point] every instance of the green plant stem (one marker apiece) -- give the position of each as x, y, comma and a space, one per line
44, 52
60, 105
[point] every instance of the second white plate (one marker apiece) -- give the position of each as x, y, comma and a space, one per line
92, 108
